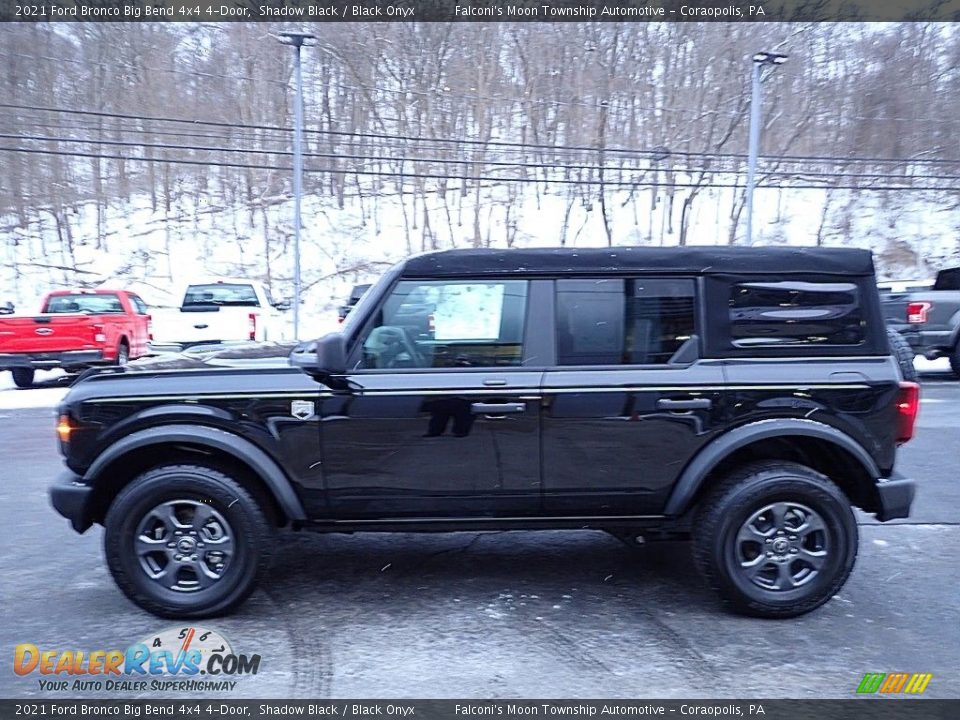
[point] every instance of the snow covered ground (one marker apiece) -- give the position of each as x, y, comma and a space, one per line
156, 252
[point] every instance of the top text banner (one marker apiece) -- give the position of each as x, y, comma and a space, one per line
302, 11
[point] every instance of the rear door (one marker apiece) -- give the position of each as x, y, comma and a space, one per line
629, 401
442, 414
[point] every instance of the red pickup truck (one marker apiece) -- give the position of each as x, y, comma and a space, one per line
75, 329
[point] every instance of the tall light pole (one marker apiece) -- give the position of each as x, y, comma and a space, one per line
297, 40
759, 61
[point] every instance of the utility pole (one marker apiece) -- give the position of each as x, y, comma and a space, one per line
759, 61
297, 40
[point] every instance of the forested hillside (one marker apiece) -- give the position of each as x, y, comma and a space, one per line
151, 152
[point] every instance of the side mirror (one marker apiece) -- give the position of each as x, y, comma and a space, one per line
322, 359
282, 305
7, 308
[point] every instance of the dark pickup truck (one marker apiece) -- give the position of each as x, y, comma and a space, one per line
929, 319
744, 398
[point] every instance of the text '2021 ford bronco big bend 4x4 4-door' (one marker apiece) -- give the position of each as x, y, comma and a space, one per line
744, 397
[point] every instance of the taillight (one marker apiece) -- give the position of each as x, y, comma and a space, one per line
253, 326
908, 403
917, 312
98, 335
150, 327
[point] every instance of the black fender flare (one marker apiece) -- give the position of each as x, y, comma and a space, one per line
243, 450
697, 470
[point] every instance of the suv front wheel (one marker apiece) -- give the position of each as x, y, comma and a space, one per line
775, 539
187, 541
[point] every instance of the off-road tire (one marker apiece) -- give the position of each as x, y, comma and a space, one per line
253, 535
22, 377
955, 360
731, 503
123, 354
903, 353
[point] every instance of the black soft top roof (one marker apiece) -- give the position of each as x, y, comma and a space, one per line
690, 259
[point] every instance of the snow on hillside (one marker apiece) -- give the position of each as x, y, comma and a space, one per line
156, 253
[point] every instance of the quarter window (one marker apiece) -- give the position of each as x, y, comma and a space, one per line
443, 324
764, 314
618, 321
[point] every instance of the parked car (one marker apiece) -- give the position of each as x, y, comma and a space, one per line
929, 320
355, 294
221, 310
903, 286
75, 329
622, 390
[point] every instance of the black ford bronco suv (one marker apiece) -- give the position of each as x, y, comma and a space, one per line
746, 398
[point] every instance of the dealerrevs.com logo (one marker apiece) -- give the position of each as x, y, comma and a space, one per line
177, 659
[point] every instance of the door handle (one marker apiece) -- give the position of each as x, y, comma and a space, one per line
480, 408
679, 405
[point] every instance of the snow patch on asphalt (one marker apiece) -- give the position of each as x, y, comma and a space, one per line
13, 398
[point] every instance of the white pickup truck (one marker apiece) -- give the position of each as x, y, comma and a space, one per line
221, 311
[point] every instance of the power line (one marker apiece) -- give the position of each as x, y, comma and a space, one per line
452, 161
491, 143
496, 179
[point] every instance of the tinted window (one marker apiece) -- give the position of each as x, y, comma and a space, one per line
232, 294
634, 321
448, 324
795, 313
101, 304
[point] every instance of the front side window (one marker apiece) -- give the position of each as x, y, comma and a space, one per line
98, 304
623, 321
444, 324
765, 314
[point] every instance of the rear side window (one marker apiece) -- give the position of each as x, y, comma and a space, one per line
786, 313
99, 304
139, 304
623, 321
224, 294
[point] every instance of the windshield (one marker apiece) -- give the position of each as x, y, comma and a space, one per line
370, 297
232, 294
102, 304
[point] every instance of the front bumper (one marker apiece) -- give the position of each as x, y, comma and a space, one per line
45, 361
896, 495
71, 498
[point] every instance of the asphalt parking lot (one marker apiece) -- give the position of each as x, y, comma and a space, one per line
523, 614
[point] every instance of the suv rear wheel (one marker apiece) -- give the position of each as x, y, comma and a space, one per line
22, 377
187, 541
775, 539
955, 360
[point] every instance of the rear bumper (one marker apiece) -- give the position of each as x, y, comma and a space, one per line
896, 496
929, 343
43, 361
71, 498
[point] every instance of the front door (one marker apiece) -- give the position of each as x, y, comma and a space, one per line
440, 418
